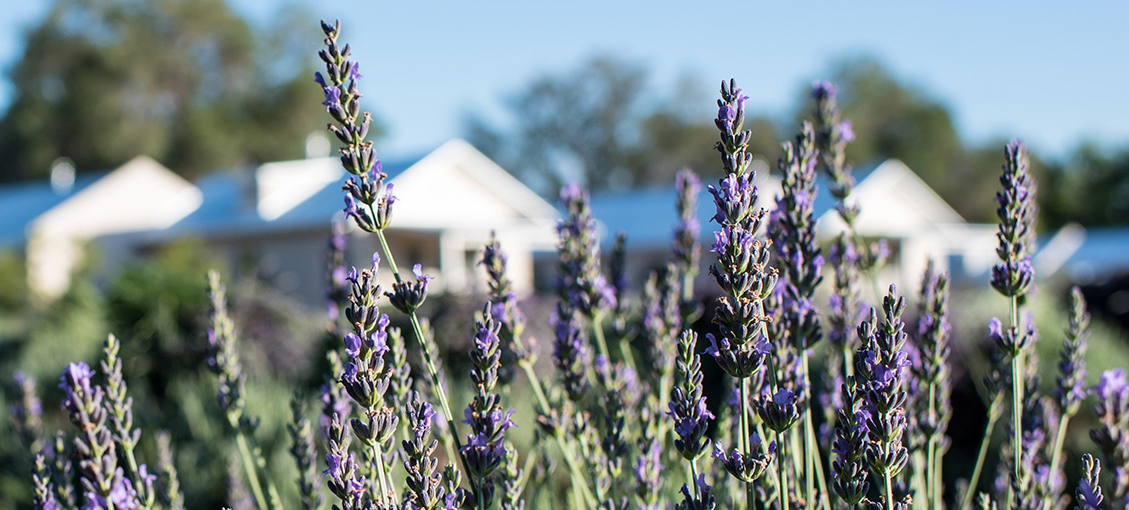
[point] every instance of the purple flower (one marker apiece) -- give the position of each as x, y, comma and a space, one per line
77, 378
1016, 211
846, 131
122, 495
1113, 384
1089, 493
1072, 364
823, 89
409, 296
352, 345
733, 199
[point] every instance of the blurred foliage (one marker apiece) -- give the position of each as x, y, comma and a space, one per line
604, 124
1091, 188
601, 125
158, 308
188, 83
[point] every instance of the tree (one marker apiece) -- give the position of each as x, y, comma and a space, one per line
892, 119
602, 124
1091, 187
188, 83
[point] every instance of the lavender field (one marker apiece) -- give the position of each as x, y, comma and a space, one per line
800, 334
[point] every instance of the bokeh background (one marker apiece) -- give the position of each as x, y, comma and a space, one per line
615, 95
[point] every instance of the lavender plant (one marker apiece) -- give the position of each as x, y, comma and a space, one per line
631, 423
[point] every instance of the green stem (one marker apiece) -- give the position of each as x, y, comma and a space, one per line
744, 441
481, 497
993, 416
821, 480
378, 458
782, 488
579, 483
930, 461
249, 468
387, 253
1016, 397
427, 355
598, 331
811, 450
429, 359
938, 479
694, 478
889, 492
1060, 439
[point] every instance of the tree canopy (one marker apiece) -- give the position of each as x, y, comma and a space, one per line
188, 83
600, 124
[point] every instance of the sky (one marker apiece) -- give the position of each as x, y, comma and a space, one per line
1051, 73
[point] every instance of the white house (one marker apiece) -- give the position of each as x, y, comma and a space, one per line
53, 221
895, 206
279, 214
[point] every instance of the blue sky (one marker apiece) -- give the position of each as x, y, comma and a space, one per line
1051, 74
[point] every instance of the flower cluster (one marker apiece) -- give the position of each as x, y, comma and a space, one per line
223, 359
883, 365
685, 238
581, 283
1016, 210
851, 443
425, 490
832, 134
625, 430
1112, 436
506, 311
368, 198
688, 405
104, 483
792, 229
742, 270
485, 450
1071, 389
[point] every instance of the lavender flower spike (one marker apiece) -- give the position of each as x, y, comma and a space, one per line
883, 365
1112, 435
484, 451
121, 417
424, 488
104, 483
27, 413
368, 198
581, 282
685, 243
688, 405
409, 296
1089, 493
1016, 211
1071, 389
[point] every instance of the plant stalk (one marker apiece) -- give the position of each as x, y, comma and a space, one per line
1060, 439
249, 468
579, 483
993, 416
744, 442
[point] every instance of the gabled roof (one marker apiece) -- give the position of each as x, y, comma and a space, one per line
1084, 254
22, 203
450, 187
895, 201
141, 194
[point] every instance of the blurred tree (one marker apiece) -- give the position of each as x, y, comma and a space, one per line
189, 83
1091, 187
893, 119
602, 124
